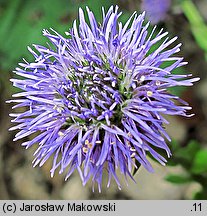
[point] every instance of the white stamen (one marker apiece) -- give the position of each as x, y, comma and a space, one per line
60, 133
142, 78
85, 128
149, 93
157, 82
85, 150
113, 84
132, 149
86, 142
129, 72
59, 109
133, 155
134, 85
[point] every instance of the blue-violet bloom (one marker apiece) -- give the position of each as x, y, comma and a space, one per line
156, 10
94, 100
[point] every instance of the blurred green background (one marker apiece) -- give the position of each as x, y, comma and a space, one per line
185, 177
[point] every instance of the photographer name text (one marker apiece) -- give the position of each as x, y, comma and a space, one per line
72, 207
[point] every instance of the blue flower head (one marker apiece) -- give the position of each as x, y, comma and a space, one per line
156, 10
94, 100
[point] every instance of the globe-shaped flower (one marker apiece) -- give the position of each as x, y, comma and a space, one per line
94, 99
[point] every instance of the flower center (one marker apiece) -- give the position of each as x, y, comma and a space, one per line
91, 94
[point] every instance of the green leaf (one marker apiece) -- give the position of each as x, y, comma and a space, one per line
200, 162
178, 179
198, 26
200, 195
7, 17
188, 152
183, 155
22, 23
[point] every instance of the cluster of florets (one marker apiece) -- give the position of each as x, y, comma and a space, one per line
94, 99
